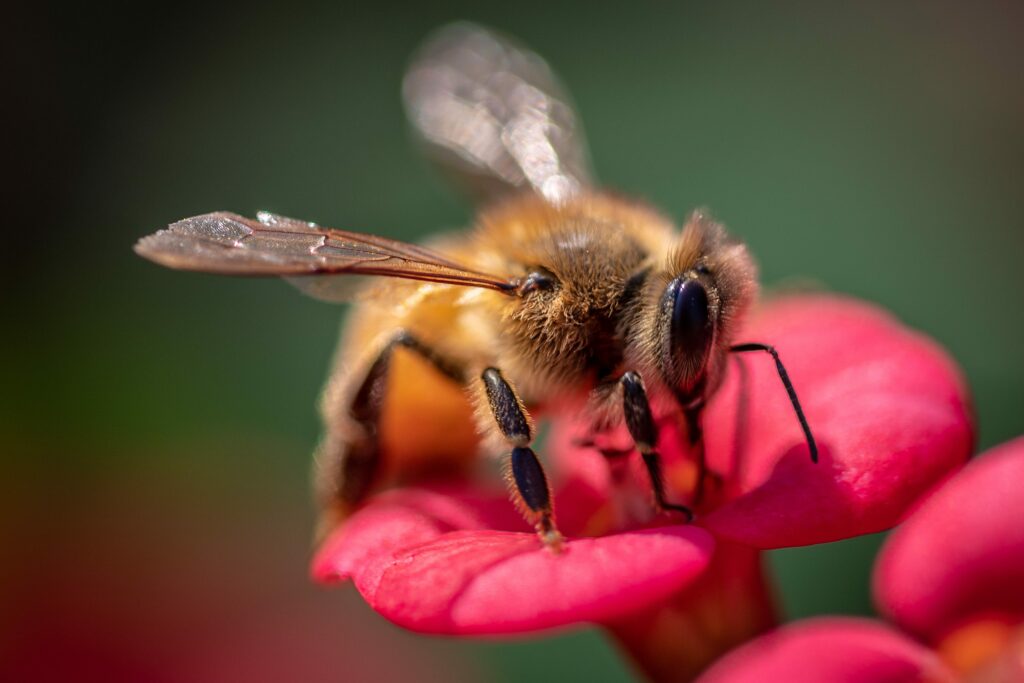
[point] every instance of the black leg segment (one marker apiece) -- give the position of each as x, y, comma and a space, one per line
653, 463
784, 376
637, 411
695, 435
530, 480
529, 484
445, 366
359, 457
506, 408
640, 423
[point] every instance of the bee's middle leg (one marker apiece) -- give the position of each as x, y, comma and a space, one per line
528, 482
349, 459
640, 423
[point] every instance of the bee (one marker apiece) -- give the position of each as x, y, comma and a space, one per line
563, 299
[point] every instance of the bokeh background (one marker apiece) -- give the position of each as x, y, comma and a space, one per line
156, 426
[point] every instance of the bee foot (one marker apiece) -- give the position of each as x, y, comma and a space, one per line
669, 508
550, 537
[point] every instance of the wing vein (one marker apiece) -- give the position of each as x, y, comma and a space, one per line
230, 244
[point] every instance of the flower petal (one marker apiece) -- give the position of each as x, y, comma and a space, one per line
837, 650
403, 518
887, 406
961, 554
495, 582
442, 560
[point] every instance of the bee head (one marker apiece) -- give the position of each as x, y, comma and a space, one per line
706, 283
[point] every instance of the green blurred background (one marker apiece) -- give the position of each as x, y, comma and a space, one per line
158, 425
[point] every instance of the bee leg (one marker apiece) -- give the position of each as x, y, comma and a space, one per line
812, 446
529, 484
351, 461
695, 435
640, 422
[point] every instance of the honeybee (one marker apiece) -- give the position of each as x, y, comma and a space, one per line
562, 298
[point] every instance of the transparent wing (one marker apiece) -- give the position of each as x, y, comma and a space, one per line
230, 244
493, 114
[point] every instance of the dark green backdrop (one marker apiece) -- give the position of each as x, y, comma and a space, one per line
161, 423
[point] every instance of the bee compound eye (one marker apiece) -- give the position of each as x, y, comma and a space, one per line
690, 329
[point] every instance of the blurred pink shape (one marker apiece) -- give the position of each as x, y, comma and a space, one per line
152, 573
832, 650
961, 554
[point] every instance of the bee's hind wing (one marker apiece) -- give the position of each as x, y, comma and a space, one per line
492, 114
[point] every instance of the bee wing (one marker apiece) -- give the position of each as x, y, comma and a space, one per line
230, 244
493, 114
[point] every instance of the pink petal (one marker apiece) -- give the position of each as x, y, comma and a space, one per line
442, 560
836, 650
403, 518
494, 582
888, 407
961, 554
400, 518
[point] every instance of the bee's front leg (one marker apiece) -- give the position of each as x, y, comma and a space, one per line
640, 422
528, 483
812, 445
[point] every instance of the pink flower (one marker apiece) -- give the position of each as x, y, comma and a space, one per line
952, 576
836, 650
962, 553
891, 417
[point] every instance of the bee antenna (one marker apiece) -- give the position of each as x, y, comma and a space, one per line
784, 376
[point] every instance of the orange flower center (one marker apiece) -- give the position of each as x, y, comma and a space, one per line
985, 649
